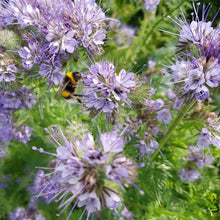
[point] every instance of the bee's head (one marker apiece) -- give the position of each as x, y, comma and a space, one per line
77, 76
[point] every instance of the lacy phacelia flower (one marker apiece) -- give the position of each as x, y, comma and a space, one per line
7, 74
151, 64
125, 213
163, 114
147, 145
213, 120
9, 102
199, 33
60, 28
66, 25
29, 213
206, 138
23, 134
7, 69
197, 156
199, 76
154, 105
31, 54
177, 103
188, 175
150, 5
125, 35
39, 53
85, 171
105, 88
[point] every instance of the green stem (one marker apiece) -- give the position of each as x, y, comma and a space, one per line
166, 137
160, 8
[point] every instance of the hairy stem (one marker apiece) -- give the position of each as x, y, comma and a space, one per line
166, 137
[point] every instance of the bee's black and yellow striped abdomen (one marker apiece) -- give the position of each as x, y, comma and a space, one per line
70, 84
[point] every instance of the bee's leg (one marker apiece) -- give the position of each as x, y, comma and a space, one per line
79, 95
79, 100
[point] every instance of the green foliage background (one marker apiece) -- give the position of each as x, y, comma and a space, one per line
166, 197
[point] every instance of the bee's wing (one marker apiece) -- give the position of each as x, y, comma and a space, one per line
61, 89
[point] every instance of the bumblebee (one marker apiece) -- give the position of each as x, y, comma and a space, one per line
69, 86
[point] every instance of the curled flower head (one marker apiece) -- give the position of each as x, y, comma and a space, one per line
199, 76
157, 106
198, 32
90, 21
106, 88
84, 171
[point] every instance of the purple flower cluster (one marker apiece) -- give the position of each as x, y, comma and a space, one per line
125, 35
105, 88
200, 155
196, 156
30, 212
147, 145
213, 121
65, 24
84, 172
38, 54
150, 5
207, 138
18, 99
7, 70
125, 213
199, 33
151, 64
188, 175
23, 134
172, 96
12, 98
153, 113
162, 114
10, 102
196, 76
60, 28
